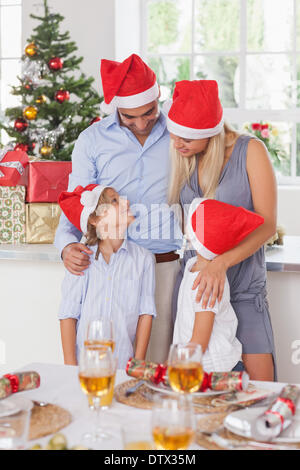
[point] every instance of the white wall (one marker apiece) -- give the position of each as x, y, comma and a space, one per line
91, 24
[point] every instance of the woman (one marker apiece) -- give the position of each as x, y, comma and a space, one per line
211, 160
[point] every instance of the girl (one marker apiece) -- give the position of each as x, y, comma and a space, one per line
213, 328
119, 284
209, 159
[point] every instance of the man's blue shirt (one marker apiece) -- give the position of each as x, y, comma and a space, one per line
109, 154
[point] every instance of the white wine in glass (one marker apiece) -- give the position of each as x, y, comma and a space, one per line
173, 424
96, 373
185, 371
100, 333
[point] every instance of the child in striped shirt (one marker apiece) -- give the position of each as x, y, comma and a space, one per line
119, 284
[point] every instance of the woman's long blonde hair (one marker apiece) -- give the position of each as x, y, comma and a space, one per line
212, 162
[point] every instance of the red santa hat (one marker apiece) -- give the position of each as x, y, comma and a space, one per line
214, 227
128, 84
80, 203
195, 111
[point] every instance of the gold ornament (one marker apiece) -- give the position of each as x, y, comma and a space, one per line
46, 150
30, 50
41, 99
30, 113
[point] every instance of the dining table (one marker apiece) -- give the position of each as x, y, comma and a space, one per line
59, 385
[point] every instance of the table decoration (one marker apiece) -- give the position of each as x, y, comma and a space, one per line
144, 397
278, 416
157, 373
47, 420
18, 382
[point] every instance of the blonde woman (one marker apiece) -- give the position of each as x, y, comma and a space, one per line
212, 160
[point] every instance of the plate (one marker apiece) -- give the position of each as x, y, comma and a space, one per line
8, 407
164, 389
240, 422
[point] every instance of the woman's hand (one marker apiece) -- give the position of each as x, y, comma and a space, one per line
210, 282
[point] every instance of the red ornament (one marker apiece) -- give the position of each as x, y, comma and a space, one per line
20, 125
22, 147
62, 95
55, 64
96, 119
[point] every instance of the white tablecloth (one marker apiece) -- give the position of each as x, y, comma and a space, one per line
60, 386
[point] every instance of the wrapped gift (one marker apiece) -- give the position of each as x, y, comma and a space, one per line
18, 382
157, 373
12, 214
46, 180
41, 222
12, 167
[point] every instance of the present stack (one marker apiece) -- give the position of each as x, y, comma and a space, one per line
29, 190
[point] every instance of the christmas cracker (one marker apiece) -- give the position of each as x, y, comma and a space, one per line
18, 382
157, 373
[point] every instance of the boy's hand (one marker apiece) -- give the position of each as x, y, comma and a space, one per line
75, 258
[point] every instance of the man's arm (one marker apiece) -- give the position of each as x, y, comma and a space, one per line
75, 255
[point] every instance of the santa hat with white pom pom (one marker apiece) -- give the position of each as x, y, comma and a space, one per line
80, 204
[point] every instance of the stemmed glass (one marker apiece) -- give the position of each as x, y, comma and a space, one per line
96, 372
100, 332
185, 371
173, 423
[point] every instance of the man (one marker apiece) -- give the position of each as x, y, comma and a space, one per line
129, 151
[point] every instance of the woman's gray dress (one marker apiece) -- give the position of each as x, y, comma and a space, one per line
247, 279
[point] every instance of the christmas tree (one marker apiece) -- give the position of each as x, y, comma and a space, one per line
58, 101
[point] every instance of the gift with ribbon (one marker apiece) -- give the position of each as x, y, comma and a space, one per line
18, 382
12, 166
278, 416
157, 373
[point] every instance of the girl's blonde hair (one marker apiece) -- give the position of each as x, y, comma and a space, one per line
91, 235
213, 159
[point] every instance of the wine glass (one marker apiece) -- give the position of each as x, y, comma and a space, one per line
173, 423
100, 332
96, 373
185, 371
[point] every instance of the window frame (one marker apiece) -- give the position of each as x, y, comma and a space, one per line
242, 114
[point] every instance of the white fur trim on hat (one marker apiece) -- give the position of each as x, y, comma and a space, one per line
132, 101
190, 133
197, 245
89, 200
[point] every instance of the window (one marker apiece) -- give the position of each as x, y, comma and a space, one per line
251, 47
10, 53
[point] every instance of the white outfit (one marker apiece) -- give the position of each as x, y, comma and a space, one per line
224, 349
